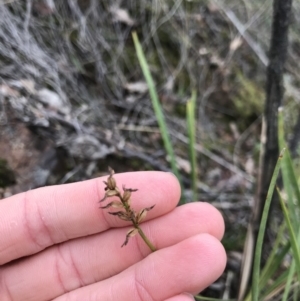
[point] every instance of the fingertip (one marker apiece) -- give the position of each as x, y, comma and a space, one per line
212, 256
190, 266
217, 224
204, 216
174, 185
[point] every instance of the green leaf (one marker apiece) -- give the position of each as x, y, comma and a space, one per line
190, 120
293, 239
156, 104
261, 232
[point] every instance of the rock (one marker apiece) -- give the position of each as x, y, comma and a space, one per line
52, 100
88, 147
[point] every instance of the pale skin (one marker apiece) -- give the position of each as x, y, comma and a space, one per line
56, 244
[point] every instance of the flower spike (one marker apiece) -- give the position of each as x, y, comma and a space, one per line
124, 202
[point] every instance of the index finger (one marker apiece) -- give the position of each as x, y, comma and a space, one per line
37, 219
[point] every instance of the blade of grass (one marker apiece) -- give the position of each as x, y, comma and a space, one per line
274, 261
289, 281
287, 157
261, 232
276, 287
290, 190
155, 103
288, 175
266, 273
273, 265
190, 120
296, 294
292, 177
293, 239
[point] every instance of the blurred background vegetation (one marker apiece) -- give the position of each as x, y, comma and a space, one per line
73, 98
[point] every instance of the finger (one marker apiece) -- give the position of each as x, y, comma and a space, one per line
32, 221
87, 260
189, 266
182, 297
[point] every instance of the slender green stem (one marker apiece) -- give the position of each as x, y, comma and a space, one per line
190, 118
156, 105
259, 243
146, 240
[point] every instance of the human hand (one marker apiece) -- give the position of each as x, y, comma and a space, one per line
55, 244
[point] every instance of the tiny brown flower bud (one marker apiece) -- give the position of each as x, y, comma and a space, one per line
126, 195
111, 171
117, 204
111, 183
150, 208
122, 215
111, 193
142, 214
114, 204
130, 233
